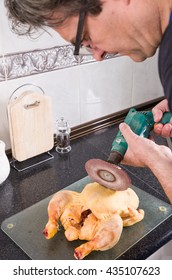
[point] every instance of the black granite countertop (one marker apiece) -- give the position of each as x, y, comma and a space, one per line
23, 189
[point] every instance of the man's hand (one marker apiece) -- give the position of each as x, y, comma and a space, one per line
160, 129
138, 147
141, 152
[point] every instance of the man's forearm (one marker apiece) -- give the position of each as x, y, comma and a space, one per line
162, 169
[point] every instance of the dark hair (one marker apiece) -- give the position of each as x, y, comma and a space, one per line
27, 16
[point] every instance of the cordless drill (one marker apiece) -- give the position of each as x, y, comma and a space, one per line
140, 123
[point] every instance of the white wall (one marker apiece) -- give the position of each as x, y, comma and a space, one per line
11, 43
79, 93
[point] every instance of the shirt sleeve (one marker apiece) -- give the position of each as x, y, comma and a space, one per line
165, 64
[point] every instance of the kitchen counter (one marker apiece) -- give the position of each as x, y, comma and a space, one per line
23, 189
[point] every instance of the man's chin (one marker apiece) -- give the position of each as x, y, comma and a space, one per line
140, 56
137, 58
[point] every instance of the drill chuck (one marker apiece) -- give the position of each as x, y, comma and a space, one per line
115, 157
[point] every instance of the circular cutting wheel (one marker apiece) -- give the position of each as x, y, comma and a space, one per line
107, 174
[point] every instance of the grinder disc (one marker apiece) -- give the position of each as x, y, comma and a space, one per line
108, 175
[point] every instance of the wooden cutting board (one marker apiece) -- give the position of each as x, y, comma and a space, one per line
30, 125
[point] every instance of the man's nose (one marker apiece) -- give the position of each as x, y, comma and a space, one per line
98, 54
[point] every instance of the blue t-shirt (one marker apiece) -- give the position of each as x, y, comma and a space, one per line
165, 63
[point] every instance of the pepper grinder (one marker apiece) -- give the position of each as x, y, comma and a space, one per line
63, 136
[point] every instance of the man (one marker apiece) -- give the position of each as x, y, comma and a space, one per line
127, 27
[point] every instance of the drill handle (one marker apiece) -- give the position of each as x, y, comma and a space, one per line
166, 118
141, 123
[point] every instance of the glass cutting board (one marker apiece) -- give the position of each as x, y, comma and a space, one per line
25, 229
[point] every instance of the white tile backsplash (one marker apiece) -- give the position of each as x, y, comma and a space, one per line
105, 88
2, 69
65, 95
146, 82
1, 48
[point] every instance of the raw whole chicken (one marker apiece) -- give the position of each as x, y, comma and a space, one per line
97, 215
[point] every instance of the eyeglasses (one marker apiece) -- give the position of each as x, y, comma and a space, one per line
81, 50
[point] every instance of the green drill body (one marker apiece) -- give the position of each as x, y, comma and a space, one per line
141, 123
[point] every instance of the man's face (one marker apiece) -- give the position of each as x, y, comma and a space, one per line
112, 31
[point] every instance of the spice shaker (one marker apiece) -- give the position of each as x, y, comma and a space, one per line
63, 136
